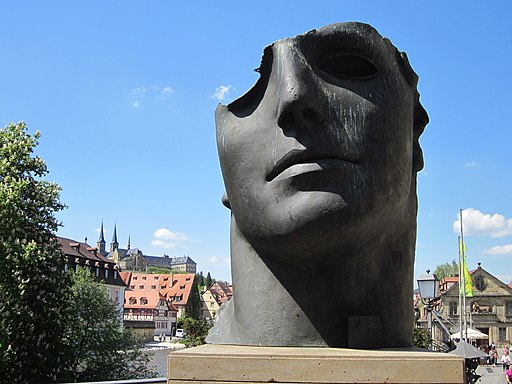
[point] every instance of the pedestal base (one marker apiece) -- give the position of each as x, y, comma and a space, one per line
232, 364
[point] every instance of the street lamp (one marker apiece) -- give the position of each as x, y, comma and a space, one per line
429, 292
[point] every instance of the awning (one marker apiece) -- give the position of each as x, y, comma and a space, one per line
472, 334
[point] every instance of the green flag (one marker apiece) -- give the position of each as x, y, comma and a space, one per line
468, 282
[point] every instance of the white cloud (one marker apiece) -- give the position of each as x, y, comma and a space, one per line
217, 260
483, 224
141, 91
167, 90
221, 92
471, 164
167, 239
165, 234
500, 250
149, 92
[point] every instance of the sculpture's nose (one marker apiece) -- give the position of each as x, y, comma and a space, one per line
299, 101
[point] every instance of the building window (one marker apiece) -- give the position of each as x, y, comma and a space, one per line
134, 277
502, 334
153, 287
480, 283
97, 271
141, 287
133, 300
115, 275
143, 277
453, 308
143, 300
106, 273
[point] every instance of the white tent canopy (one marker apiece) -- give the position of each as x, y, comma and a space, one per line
473, 334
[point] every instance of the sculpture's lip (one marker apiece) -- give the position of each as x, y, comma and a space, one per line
309, 155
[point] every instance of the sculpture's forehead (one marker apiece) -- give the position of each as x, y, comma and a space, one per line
351, 31
358, 38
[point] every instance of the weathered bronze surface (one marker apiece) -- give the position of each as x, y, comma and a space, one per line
319, 161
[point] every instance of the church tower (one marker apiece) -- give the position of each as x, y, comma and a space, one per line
101, 241
114, 245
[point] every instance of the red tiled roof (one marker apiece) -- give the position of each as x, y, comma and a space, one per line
72, 248
181, 286
169, 285
222, 291
153, 298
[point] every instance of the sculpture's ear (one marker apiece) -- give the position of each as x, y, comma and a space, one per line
225, 201
420, 121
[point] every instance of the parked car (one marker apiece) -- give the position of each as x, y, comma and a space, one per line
180, 332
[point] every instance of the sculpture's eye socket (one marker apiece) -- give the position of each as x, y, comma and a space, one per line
349, 66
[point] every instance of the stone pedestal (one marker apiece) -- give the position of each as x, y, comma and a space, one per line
219, 364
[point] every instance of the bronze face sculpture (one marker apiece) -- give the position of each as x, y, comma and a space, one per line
319, 161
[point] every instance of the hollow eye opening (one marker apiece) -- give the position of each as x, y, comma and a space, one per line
349, 66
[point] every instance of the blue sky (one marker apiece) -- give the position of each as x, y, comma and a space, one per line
124, 92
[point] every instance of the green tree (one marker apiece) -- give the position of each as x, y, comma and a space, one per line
420, 338
196, 331
194, 301
200, 279
208, 281
33, 287
99, 347
447, 269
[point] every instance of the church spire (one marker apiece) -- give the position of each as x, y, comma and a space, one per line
101, 241
114, 245
128, 242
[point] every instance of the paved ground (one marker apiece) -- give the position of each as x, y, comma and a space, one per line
491, 375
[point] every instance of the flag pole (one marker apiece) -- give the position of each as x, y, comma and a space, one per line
461, 274
463, 277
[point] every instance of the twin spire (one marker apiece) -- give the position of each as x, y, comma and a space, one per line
114, 245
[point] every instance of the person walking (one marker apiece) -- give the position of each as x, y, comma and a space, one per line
508, 375
505, 360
